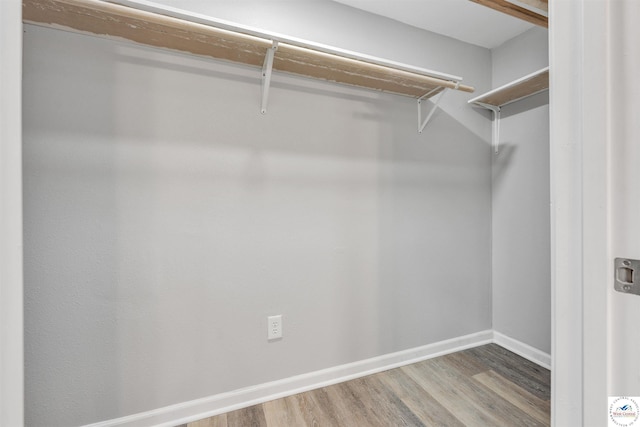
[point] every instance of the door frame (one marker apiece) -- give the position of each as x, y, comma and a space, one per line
580, 247
11, 299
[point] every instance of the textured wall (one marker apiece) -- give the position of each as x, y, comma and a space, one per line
165, 218
521, 222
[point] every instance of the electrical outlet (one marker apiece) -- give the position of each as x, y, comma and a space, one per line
274, 327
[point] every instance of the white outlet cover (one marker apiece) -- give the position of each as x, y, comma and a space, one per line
274, 327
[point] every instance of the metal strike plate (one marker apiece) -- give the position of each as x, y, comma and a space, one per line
627, 275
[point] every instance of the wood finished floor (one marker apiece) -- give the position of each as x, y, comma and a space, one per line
482, 386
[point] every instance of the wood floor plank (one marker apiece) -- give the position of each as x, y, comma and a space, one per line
283, 412
466, 363
349, 406
419, 400
216, 421
312, 414
517, 396
453, 399
335, 413
382, 402
473, 404
253, 416
533, 378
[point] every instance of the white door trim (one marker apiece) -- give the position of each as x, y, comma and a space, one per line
579, 210
11, 304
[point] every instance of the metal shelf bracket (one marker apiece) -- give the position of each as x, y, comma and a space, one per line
495, 134
423, 123
267, 69
496, 129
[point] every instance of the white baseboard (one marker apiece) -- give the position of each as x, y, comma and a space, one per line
209, 406
518, 347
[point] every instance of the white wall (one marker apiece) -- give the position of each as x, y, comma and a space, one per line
165, 218
520, 200
11, 307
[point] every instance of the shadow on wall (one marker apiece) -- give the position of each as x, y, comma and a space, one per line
434, 215
313, 124
501, 162
71, 325
509, 149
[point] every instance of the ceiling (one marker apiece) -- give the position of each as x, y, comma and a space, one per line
460, 19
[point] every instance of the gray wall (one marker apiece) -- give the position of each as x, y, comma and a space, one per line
521, 224
166, 218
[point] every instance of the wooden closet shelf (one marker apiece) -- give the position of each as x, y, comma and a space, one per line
156, 28
511, 92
